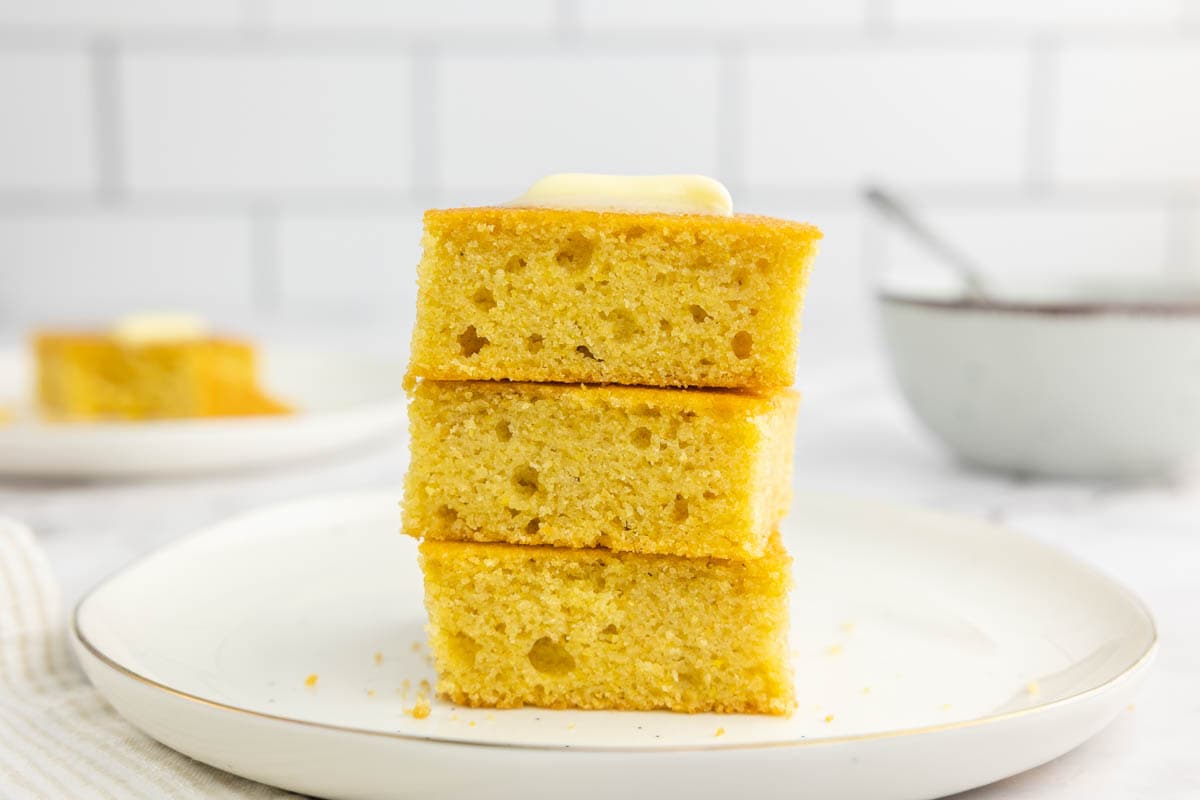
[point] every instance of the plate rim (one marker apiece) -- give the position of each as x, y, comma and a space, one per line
1143, 661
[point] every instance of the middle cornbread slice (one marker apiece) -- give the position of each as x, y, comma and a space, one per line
699, 473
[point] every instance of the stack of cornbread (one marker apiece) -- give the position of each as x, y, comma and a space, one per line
602, 446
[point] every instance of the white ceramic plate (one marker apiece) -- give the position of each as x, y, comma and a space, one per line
341, 400
933, 654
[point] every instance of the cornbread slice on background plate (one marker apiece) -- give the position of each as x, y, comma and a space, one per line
692, 473
569, 295
149, 366
594, 629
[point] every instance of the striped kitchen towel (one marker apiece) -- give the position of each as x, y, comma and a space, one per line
58, 737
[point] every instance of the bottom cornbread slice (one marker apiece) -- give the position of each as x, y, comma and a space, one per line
513, 625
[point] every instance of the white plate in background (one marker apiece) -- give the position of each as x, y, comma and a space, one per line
340, 400
933, 654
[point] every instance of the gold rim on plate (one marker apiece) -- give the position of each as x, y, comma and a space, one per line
1129, 671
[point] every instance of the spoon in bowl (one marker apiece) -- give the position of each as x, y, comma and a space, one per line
963, 266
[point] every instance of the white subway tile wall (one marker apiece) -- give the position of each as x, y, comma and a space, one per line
265, 121
46, 133
420, 17
503, 120
1129, 114
355, 264
886, 113
717, 15
108, 15
92, 265
1061, 14
272, 157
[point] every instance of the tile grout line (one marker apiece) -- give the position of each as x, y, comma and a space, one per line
264, 256
107, 112
1042, 113
731, 118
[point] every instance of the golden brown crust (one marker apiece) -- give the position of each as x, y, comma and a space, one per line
744, 223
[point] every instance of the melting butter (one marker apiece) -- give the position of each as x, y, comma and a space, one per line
669, 194
159, 328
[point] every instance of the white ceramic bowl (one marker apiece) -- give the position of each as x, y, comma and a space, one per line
1071, 389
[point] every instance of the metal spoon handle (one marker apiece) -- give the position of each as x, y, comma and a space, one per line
964, 266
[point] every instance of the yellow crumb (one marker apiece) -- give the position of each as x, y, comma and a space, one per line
1033, 688
460, 473
720, 732
424, 687
415, 646
866, 690
571, 727
829, 717
834, 650
420, 710
471, 724
847, 627
1129, 707
311, 680
946, 706
6, 415
370, 692
378, 658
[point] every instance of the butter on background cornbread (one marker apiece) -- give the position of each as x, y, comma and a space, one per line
693, 473
570, 295
593, 629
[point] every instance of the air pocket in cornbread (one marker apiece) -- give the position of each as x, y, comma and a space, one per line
693, 473
594, 629
537, 294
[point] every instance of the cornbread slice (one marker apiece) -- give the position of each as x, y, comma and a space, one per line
84, 376
535, 294
592, 629
682, 472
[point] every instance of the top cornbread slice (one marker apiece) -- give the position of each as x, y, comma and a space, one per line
552, 295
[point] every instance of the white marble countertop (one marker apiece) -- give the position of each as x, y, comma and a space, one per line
855, 438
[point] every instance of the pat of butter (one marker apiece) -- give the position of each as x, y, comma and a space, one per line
669, 194
159, 328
